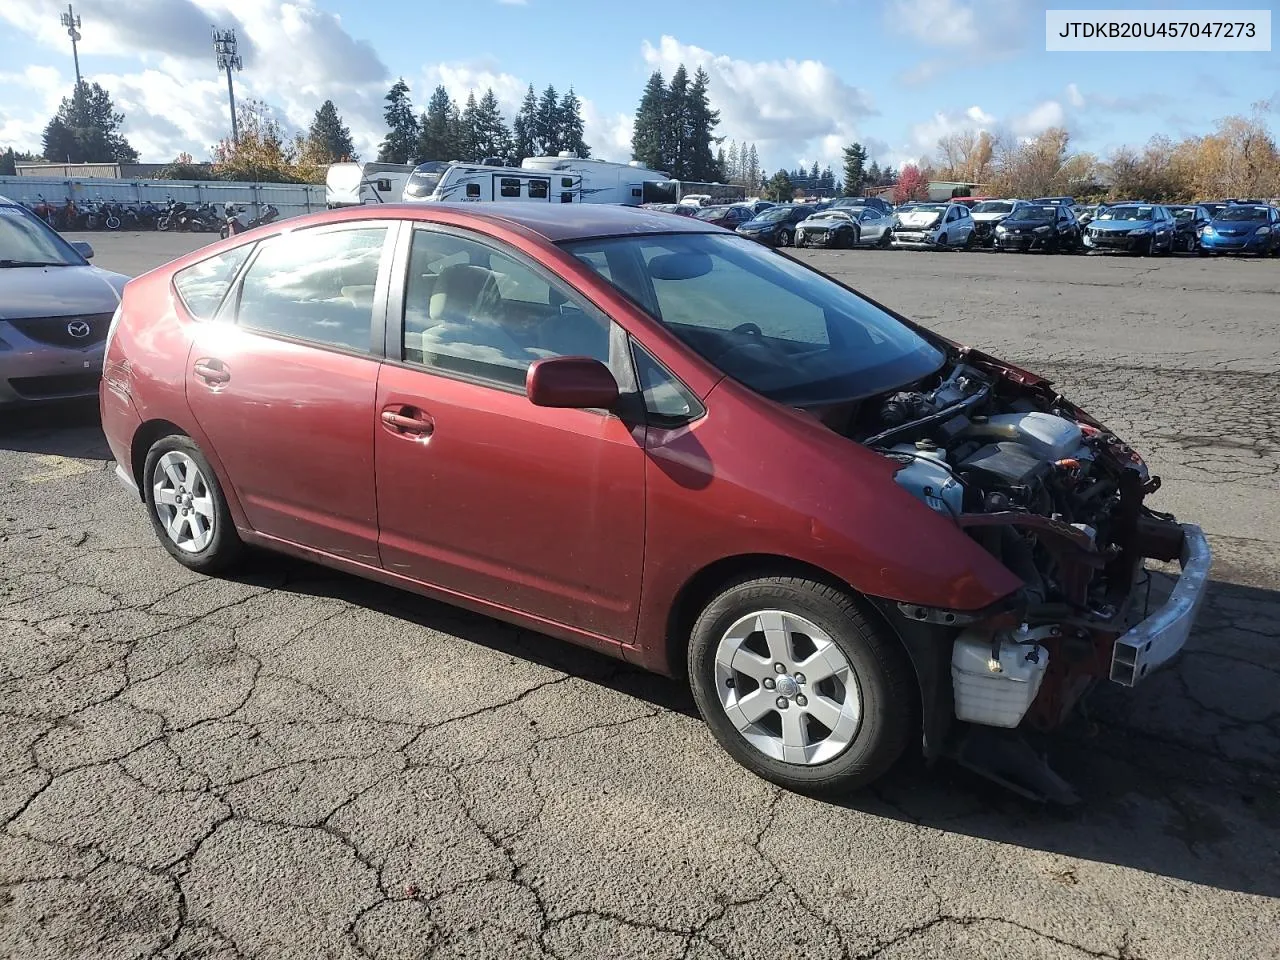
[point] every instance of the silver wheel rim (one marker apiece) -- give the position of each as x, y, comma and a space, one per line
787, 688
182, 501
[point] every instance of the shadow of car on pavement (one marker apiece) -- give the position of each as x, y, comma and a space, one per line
1170, 802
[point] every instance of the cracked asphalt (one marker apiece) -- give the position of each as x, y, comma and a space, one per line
295, 763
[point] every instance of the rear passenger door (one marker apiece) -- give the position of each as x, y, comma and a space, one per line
282, 383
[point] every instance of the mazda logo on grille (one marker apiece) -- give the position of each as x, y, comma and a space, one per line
78, 329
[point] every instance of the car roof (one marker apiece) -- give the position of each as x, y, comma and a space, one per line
554, 222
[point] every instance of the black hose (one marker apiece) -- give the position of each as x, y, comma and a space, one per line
957, 407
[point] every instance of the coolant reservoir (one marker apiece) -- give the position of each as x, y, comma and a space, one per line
995, 690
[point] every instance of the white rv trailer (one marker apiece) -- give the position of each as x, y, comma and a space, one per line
351, 184
562, 179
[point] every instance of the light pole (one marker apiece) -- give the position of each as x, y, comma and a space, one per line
224, 49
72, 23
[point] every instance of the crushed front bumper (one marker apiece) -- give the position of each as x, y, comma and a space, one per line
1160, 636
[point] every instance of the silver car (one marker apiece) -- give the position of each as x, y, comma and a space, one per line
846, 227
54, 311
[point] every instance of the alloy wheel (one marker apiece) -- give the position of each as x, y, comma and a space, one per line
787, 688
183, 502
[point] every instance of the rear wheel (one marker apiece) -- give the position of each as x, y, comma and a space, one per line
800, 686
188, 511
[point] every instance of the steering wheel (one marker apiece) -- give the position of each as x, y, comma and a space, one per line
751, 328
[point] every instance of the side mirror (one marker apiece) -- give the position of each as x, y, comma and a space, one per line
576, 382
83, 247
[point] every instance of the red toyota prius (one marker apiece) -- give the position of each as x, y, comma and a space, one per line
649, 436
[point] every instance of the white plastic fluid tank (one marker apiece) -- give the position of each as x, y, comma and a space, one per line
990, 697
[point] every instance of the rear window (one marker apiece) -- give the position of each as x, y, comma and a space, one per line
202, 286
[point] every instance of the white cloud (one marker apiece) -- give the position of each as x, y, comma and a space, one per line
924, 136
936, 23
295, 56
788, 108
1074, 96
1046, 114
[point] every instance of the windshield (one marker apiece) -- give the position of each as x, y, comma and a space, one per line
422, 184
1182, 213
925, 208
773, 214
1243, 213
1126, 213
26, 242
782, 329
710, 213
1041, 211
993, 206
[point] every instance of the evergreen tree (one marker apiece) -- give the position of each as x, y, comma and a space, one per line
732, 174
678, 127
8, 164
492, 138
888, 177
525, 128
702, 122
402, 134
722, 164
874, 175
855, 174
329, 140
779, 189
438, 137
814, 174
469, 131
753, 171
86, 129
827, 179
571, 125
547, 126
648, 137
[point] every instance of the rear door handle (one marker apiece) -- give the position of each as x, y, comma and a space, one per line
211, 371
407, 420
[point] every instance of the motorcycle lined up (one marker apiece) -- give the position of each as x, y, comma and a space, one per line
234, 221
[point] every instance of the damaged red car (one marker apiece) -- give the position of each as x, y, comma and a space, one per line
654, 438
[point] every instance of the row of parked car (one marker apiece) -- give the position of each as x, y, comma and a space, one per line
1048, 224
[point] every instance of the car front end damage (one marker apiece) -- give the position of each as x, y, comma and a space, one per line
1059, 500
1023, 238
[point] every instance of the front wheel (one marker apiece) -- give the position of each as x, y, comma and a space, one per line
786, 239
188, 511
800, 686
886, 238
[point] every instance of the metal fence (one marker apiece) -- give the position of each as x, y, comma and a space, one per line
291, 199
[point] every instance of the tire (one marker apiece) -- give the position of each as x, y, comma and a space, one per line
855, 238
223, 233
162, 224
113, 223
786, 239
941, 242
886, 239
167, 476
868, 717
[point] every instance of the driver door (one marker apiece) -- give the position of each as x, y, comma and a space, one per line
480, 493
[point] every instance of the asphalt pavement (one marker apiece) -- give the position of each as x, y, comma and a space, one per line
296, 763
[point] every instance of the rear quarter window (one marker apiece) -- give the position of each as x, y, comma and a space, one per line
203, 286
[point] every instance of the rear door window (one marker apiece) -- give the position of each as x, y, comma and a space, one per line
315, 285
202, 286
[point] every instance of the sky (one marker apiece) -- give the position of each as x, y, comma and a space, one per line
799, 80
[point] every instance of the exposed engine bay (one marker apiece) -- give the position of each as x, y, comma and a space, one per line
1056, 498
